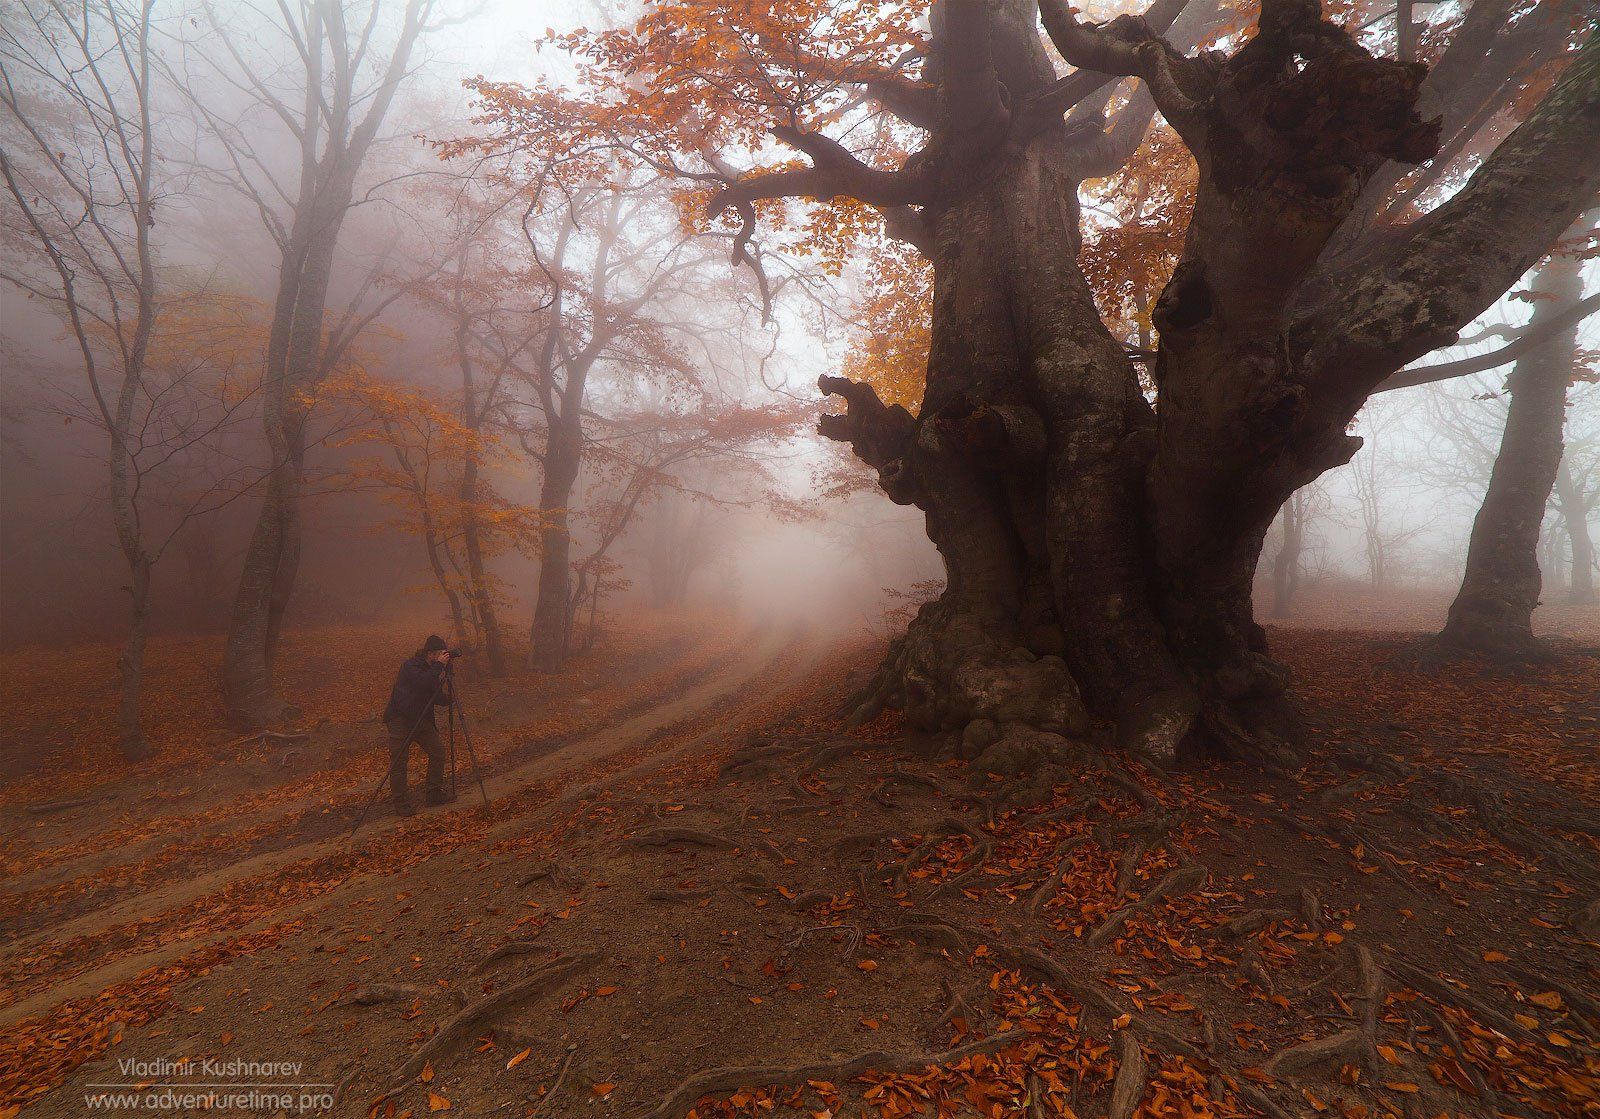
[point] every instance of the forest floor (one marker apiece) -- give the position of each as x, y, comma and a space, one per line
694, 893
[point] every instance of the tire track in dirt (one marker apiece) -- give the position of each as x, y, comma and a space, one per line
159, 927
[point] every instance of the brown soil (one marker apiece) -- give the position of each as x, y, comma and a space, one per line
727, 905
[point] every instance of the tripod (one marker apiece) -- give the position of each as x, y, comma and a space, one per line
448, 677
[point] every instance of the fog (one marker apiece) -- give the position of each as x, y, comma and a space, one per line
769, 520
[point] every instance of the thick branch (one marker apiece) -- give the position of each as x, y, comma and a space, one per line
1420, 293
834, 172
880, 434
1525, 340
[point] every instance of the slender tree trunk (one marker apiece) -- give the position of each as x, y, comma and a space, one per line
1286, 564
471, 526
547, 649
1493, 611
272, 560
130, 664
1575, 516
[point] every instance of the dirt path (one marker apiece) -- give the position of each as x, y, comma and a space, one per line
750, 913
380, 833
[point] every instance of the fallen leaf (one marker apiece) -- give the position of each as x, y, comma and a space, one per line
426, 1076
436, 1102
603, 1089
519, 1058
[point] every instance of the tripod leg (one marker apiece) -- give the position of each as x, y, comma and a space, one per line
452, 718
466, 735
383, 783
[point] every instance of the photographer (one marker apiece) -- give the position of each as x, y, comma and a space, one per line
421, 685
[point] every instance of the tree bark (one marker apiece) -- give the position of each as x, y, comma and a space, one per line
130, 664
1286, 563
337, 126
552, 610
1575, 516
471, 524
552, 621
1493, 611
1100, 555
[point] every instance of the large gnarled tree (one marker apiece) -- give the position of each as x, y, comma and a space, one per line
1099, 546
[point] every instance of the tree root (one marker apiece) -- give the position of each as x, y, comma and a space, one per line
508, 951
954, 795
1052, 885
467, 1020
1471, 1069
1436, 988
1129, 1084
666, 837
1182, 880
561, 1078
375, 994
562, 876
1249, 923
946, 828
1311, 908
1347, 1046
716, 1081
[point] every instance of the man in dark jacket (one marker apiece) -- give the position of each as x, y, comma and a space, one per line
419, 687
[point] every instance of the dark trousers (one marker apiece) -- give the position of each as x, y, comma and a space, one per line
425, 735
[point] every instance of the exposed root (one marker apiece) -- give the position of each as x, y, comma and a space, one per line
944, 829
1129, 1084
955, 1007
950, 792
723, 1080
507, 952
1250, 923
1311, 908
1346, 1046
375, 994
666, 837
561, 1078
465, 1023
1179, 881
1052, 885
561, 875
1436, 988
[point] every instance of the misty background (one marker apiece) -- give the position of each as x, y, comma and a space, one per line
782, 526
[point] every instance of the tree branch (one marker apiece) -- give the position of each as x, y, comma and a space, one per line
1418, 293
1524, 340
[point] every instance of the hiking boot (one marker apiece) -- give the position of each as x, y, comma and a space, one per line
404, 808
440, 797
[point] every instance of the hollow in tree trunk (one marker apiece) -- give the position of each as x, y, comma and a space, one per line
1493, 611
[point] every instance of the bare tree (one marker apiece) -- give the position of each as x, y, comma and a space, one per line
1493, 611
1578, 496
83, 171
330, 100
1288, 562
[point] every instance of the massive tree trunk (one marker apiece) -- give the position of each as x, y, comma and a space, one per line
1493, 611
1099, 553
1575, 516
